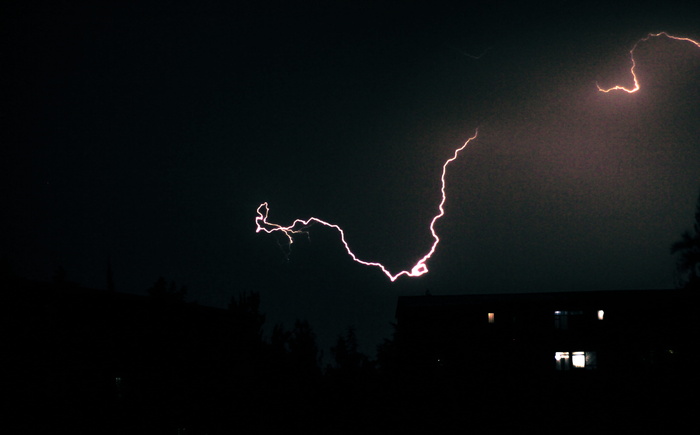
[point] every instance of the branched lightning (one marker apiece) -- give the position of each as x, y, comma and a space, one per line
634, 64
298, 226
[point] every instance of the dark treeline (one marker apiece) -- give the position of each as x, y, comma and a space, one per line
98, 361
86, 360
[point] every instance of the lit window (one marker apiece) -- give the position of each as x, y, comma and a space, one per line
601, 313
562, 359
575, 360
492, 317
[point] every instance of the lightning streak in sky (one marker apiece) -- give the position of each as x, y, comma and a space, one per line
420, 268
634, 64
298, 226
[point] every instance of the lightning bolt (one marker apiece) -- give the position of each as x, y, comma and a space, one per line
298, 226
634, 64
420, 268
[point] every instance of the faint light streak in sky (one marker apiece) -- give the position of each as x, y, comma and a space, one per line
298, 226
634, 64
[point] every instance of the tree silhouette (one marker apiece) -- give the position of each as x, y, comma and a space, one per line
247, 320
279, 339
161, 291
388, 353
348, 358
303, 349
688, 251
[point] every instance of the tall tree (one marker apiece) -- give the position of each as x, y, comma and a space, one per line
348, 358
247, 319
687, 250
303, 349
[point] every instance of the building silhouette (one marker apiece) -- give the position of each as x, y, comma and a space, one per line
573, 362
603, 332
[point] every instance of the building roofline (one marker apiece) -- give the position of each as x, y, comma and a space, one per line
544, 300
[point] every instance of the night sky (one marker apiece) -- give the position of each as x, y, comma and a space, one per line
144, 137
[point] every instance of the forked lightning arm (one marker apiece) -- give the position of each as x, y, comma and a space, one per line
418, 269
421, 268
634, 64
